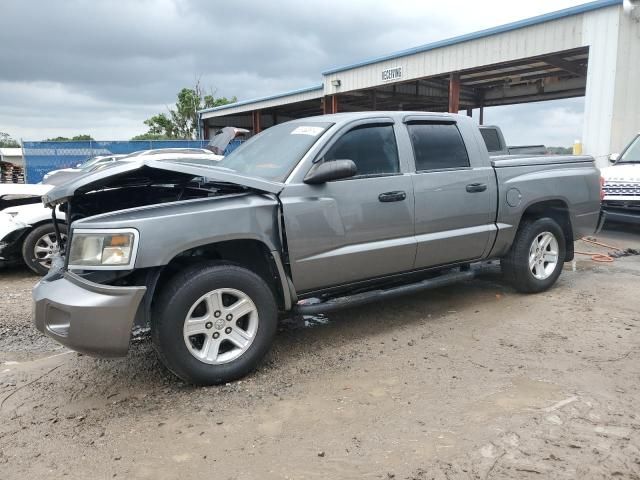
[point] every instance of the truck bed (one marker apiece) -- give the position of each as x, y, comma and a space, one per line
566, 183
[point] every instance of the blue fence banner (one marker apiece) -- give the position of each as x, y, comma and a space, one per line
42, 157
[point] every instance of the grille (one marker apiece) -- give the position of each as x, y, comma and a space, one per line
629, 189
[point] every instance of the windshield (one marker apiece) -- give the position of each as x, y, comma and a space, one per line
631, 153
274, 153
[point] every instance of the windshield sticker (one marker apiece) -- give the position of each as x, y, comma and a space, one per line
313, 131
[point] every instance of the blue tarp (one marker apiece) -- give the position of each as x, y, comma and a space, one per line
42, 157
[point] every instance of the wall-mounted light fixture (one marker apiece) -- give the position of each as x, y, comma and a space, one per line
336, 82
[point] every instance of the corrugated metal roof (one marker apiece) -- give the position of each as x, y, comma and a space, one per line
567, 12
262, 99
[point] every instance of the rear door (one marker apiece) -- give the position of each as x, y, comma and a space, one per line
455, 193
357, 228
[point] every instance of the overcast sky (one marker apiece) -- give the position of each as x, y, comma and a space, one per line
103, 66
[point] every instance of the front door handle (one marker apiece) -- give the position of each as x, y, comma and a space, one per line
476, 187
396, 196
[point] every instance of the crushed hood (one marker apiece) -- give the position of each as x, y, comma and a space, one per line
147, 171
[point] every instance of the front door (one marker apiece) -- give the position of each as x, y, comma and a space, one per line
354, 229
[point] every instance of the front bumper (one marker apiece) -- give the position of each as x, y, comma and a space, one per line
622, 211
85, 316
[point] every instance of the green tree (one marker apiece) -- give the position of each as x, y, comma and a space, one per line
181, 122
150, 136
77, 138
6, 141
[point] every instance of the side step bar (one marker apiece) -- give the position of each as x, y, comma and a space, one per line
383, 294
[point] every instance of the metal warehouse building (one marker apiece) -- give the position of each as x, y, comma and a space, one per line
591, 50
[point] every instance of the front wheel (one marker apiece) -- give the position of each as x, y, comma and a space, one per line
214, 323
535, 259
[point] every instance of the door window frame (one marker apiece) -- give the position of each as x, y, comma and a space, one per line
413, 120
344, 130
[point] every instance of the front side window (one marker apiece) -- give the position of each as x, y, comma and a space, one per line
632, 153
437, 146
371, 147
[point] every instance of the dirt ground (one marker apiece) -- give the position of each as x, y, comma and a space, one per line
471, 381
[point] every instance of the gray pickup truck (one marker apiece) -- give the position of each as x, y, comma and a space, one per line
308, 216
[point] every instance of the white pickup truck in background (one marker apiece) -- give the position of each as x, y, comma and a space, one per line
497, 146
621, 202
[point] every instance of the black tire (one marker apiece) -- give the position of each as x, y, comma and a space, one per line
176, 299
515, 265
29, 254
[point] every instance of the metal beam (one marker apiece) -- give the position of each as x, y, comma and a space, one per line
536, 98
471, 81
523, 62
444, 87
563, 64
537, 89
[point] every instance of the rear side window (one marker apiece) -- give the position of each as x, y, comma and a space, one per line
437, 146
372, 148
491, 139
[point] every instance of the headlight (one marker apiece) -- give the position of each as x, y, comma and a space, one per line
103, 249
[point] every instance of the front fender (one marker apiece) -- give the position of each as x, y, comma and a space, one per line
168, 229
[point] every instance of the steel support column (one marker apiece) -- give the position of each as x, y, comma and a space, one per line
330, 104
255, 121
454, 93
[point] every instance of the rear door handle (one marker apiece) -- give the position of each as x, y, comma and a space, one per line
396, 196
476, 187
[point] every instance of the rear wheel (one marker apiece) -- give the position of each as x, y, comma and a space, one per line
214, 323
535, 259
40, 246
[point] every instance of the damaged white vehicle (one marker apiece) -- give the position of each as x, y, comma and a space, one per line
26, 231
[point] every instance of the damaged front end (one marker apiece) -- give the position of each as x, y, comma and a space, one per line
127, 223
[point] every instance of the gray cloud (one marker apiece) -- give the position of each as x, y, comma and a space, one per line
103, 66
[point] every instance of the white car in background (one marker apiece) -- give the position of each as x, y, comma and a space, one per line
55, 177
621, 188
26, 230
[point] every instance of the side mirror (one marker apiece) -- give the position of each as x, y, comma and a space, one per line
613, 158
332, 170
